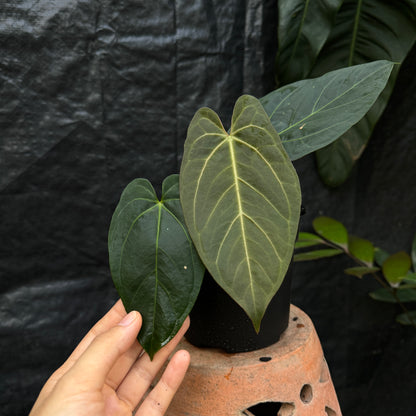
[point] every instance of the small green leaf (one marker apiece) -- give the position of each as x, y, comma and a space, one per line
154, 265
386, 295
361, 249
410, 278
308, 240
408, 318
360, 271
308, 237
332, 230
317, 254
396, 267
380, 256
241, 200
413, 253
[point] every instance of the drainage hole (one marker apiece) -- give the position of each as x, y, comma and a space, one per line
265, 409
330, 412
306, 393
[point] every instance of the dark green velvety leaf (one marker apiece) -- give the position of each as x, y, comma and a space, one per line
241, 200
385, 295
317, 254
361, 249
332, 230
413, 253
303, 28
380, 256
360, 271
408, 318
155, 267
312, 113
364, 31
396, 267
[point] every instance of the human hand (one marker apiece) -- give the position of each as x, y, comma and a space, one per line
108, 373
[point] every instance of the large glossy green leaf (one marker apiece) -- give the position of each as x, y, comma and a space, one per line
365, 31
241, 200
155, 267
312, 113
303, 27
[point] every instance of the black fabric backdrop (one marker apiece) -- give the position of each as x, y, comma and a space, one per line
97, 92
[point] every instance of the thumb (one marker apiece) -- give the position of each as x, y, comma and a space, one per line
93, 365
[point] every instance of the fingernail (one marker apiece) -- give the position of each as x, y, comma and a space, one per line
128, 319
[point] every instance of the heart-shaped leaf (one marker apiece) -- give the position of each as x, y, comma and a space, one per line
241, 201
154, 265
303, 29
312, 113
364, 31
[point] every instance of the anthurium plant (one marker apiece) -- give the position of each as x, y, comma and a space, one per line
234, 208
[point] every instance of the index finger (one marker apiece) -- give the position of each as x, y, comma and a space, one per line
110, 319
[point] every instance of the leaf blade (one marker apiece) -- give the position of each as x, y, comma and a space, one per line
360, 271
364, 31
396, 267
312, 113
153, 263
299, 40
241, 199
332, 230
317, 254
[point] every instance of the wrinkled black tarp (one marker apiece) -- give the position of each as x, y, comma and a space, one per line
95, 93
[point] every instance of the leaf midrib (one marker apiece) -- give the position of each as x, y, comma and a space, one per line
240, 212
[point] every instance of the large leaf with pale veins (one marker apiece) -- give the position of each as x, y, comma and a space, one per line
153, 262
241, 201
312, 113
303, 27
365, 30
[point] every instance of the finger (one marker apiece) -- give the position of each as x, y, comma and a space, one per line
110, 319
141, 375
123, 365
158, 400
92, 367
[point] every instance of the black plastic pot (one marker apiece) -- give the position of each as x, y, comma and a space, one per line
217, 321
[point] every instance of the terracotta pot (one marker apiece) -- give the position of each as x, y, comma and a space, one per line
219, 322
